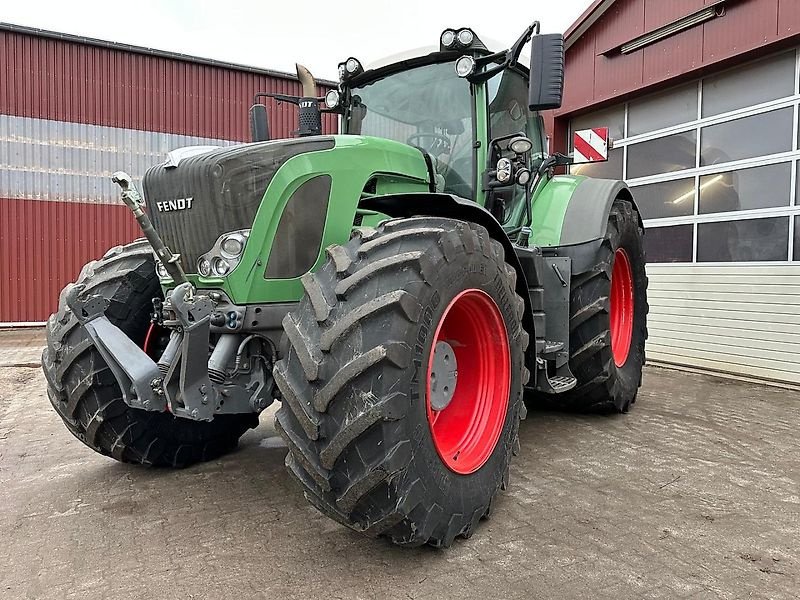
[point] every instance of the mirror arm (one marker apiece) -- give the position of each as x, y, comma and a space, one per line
508, 57
516, 49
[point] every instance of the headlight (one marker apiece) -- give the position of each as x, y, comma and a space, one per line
448, 38
465, 66
225, 255
220, 266
161, 270
204, 267
503, 170
332, 99
465, 37
233, 244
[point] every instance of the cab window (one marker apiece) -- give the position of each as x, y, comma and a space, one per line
507, 95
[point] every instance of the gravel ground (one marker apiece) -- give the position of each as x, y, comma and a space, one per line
695, 494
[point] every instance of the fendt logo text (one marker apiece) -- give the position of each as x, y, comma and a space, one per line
173, 205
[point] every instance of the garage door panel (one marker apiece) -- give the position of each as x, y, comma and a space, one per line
748, 301
740, 318
726, 307
713, 362
719, 287
724, 359
733, 269
749, 329
728, 343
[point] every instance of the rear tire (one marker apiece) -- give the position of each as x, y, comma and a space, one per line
355, 410
600, 331
85, 393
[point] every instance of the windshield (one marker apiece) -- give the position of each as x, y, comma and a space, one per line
429, 107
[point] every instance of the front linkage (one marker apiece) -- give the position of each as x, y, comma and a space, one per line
185, 381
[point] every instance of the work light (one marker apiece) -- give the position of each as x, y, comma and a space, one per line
352, 66
465, 66
332, 99
520, 145
448, 38
465, 37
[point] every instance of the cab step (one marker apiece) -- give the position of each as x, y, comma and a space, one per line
560, 384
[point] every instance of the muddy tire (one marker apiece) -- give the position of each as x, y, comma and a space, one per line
357, 412
85, 394
608, 319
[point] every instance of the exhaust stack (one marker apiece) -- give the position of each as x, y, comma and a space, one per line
310, 116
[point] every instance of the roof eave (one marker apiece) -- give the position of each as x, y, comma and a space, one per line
582, 24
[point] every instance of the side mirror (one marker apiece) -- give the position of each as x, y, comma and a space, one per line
547, 71
259, 123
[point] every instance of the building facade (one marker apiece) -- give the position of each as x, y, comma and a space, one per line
701, 99
74, 110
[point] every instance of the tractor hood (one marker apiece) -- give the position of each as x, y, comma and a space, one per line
194, 202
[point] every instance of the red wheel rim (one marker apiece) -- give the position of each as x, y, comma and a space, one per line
621, 309
466, 431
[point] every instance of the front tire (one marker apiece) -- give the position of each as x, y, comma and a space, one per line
85, 394
383, 437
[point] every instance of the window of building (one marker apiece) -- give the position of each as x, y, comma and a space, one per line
746, 189
690, 204
741, 241
613, 118
757, 135
752, 84
610, 169
662, 155
669, 244
666, 199
663, 110
796, 238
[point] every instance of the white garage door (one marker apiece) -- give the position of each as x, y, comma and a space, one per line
714, 168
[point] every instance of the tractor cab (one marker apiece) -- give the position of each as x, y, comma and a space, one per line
461, 105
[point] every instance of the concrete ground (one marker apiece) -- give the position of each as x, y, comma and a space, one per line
695, 494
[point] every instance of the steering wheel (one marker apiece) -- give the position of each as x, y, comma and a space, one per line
440, 144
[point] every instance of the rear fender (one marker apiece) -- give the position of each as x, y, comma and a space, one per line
572, 210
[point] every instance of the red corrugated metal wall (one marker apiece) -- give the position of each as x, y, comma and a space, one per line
69, 81
591, 77
44, 244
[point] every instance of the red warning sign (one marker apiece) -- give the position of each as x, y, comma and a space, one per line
590, 145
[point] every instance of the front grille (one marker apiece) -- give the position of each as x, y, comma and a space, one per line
225, 186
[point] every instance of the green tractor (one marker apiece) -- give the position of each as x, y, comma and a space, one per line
398, 288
